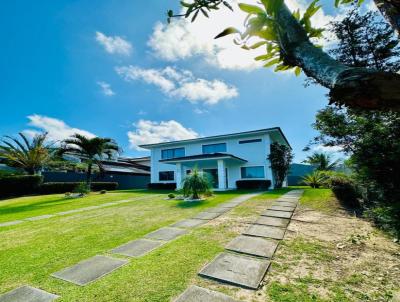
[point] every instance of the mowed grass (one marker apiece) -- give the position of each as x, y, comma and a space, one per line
30, 206
30, 252
318, 199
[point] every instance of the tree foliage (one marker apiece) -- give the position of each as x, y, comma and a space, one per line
90, 150
196, 183
280, 158
30, 156
321, 161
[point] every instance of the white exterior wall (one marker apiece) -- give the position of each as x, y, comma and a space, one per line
256, 154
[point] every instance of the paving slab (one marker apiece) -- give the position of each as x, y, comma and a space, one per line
273, 221
89, 270
284, 204
217, 210
199, 294
265, 231
166, 233
206, 215
137, 248
229, 205
253, 246
9, 223
39, 217
189, 223
281, 208
236, 269
278, 214
27, 294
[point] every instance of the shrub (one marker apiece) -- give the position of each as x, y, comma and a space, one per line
315, 180
171, 195
196, 183
62, 187
103, 192
162, 186
19, 185
253, 184
345, 190
82, 188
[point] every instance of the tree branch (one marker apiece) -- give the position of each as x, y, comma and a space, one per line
391, 10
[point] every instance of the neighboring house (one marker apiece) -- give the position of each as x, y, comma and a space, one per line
226, 158
297, 172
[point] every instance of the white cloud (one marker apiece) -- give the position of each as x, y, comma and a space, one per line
328, 149
181, 84
182, 39
148, 132
106, 88
57, 129
115, 44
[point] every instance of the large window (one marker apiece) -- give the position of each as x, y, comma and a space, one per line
172, 153
252, 172
214, 148
166, 175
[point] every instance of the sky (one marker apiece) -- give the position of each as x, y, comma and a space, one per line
114, 68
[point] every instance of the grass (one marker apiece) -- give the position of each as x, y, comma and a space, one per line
30, 252
318, 199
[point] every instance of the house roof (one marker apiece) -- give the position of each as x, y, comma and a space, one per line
203, 156
260, 131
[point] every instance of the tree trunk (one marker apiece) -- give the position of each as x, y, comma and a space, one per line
350, 86
390, 9
89, 176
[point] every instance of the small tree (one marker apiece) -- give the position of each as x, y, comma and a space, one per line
321, 161
195, 184
280, 158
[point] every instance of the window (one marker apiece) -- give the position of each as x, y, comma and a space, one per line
252, 172
248, 141
214, 148
172, 153
166, 175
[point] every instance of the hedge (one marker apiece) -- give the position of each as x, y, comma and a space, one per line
63, 187
162, 186
253, 184
19, 185
345, 191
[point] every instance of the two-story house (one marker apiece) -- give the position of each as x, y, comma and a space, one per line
227, 158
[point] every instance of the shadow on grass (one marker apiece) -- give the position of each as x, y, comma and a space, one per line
190, 204
11, 209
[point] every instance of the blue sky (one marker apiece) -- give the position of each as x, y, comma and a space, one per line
114, 69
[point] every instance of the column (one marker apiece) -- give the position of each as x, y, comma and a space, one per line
221, 174
179, 176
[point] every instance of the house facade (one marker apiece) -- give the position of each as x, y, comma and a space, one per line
226, 158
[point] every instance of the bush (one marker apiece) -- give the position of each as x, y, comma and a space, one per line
345, 191
253, 184
62, 187
162, 186
19, 185
315, 180
171, 196
82, 188
103, 191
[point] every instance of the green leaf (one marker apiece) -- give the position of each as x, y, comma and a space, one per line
251, 9
258, 44
272, 62
195, 15
227, 31
184, 4
297, 71
170, 13
337, 2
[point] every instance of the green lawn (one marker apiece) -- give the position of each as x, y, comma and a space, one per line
31, 251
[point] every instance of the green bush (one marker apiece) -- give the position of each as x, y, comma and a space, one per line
315, 180
345, 190
162, 186
253, 184
19, 185
82, 188
171, 195
196, 183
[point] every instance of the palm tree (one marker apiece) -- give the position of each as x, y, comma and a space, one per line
195, 184
23, 154
315, 180
91, 150
322, 161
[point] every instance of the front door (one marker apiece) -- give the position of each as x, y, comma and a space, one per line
213, 176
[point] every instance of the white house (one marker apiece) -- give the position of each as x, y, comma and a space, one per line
227, 158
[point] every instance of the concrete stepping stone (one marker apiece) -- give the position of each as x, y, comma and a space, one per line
218, 210
27, 294
278, 214
284, 204
9, 223
89, 270
206, 215
166, 234
199, 294
137, 248
253, 246
273, 221
265, 231
39, 217
229, 205
281, 208
236, 269
189, 223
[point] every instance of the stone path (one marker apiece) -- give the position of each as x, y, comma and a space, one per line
35, 218
247, 265
27, 294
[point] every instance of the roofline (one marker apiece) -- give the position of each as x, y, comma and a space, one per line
149, 146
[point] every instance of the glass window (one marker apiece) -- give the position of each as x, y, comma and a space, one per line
252, 172
172, 153
214, 148
248, 141
166, 175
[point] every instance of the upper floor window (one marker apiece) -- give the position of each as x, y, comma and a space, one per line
249, 141
172, 153
252, 172
166, 175
214, 148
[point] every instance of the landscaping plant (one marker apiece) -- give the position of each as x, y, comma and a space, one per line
315, 180
280, 157
196, 183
